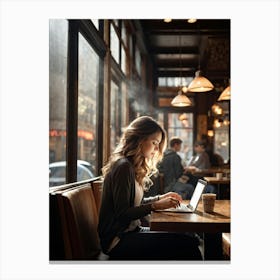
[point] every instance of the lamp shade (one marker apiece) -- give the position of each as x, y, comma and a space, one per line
200, 83
181, 100
225, 95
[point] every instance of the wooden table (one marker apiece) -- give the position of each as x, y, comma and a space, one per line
211, 225
210, 171
218, 182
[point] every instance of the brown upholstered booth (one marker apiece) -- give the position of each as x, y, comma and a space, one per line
73, 221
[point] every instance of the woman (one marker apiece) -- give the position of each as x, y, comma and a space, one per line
126, 177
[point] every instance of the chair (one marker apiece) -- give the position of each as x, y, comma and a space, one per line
97, 187
226, 245
79, 219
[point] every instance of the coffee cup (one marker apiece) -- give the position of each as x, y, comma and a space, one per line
208, 200
219, 175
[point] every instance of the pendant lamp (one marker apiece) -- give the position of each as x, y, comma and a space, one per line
181, 100
225, 95
200, 83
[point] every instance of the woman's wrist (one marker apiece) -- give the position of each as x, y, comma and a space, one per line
153, 206
156, 198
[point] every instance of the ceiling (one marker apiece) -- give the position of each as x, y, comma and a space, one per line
178, 48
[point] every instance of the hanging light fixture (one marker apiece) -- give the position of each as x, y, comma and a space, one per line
200, 83
192, 20
225, 95
167, 20
181, 100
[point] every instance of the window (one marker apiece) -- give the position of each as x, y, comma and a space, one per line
138, 60
160, 118
58, 34
88, 88
123, 47
124, 106
221, 142
118, 46
221, 127
181, 125
115, 44
124, 34
123, 60
95, 22
115, 115
174, 81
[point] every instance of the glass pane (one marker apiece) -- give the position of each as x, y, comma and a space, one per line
88, 88
171, 82
162, 81
174, 81
124, 37
59, 172
58, 37
130, 46
95, 22
138, 60
160, 118
123, 66
116, 22
115, 44
115, 115
221, 142
124, 106
83, 173
181, 125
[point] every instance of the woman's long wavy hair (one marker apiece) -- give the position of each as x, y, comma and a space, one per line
130, 147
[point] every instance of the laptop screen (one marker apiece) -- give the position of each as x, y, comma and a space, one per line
197, 193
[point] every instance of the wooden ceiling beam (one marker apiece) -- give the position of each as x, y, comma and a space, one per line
189, 73
171, 63
174, 50
204, 25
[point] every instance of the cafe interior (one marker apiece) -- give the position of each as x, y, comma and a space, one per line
93, 77
175, 70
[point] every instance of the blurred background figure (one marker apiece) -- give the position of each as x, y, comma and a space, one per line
173, 171
200, 160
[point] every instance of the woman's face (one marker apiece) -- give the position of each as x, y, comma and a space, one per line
151, 145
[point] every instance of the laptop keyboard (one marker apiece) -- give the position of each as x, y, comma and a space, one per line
183, 206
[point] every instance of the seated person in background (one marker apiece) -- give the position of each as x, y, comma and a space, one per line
172, 169
216, 160
199, 162
201, 159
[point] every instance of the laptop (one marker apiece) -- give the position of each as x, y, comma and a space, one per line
191, 207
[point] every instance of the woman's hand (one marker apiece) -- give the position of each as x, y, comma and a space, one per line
171, 194
167, 200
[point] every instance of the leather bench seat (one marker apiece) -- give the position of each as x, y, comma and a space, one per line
226, 245
74, 220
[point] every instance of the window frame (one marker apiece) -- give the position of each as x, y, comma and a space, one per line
92, 35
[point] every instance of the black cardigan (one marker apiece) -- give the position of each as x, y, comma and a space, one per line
117, 207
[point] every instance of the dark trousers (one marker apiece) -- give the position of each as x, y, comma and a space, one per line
151, 245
